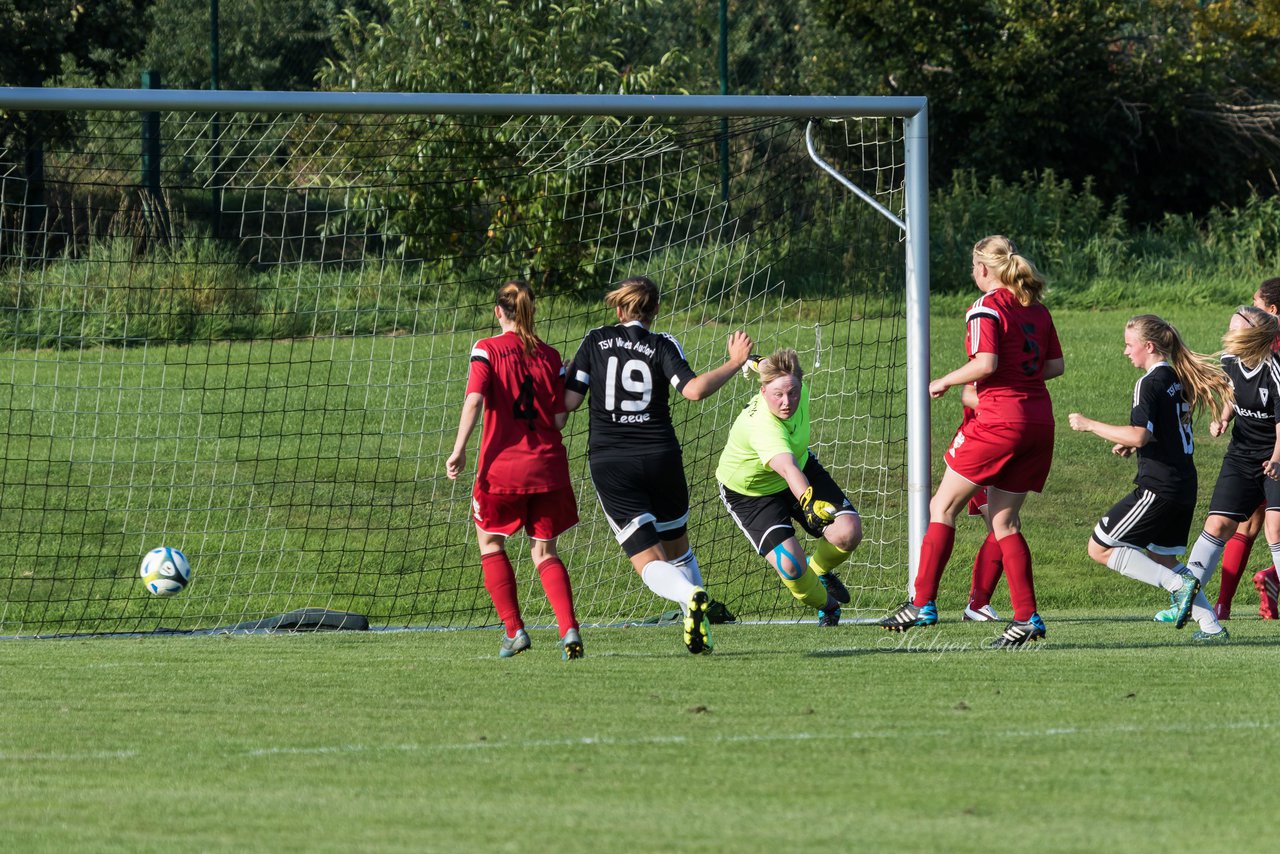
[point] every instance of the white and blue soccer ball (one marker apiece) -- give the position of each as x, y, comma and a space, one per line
165, 571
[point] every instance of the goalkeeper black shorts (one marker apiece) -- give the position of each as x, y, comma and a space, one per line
766, 519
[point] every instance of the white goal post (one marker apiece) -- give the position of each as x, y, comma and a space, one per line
141, 365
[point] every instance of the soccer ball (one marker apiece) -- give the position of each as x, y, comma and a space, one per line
165, 571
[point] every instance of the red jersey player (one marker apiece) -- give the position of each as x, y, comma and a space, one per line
522, 476
987, 566
1013, 349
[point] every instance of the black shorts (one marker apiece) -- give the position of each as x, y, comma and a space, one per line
766, 519
1144, 520
1241, 487
644, 497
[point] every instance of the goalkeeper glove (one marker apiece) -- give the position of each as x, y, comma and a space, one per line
817, 513
752, 365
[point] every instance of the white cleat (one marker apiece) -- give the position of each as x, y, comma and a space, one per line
985, 614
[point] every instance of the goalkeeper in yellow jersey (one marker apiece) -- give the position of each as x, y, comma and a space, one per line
769, 477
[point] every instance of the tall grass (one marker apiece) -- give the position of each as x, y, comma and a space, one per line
194, 287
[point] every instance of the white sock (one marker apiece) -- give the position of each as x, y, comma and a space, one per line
1132, 563
688, 564
1204, 614
667, 581
1275, 553
1204, 557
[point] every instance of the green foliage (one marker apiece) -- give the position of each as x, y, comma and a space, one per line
192, 288
41, 41
257, 48
1050, 221
1143, 96
532, 47
508, 212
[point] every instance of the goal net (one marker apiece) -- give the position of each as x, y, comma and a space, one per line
245, 334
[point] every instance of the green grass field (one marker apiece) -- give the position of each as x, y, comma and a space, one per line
1106, 737
1109, 736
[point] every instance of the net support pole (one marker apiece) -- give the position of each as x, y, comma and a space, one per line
916, 133
915, 228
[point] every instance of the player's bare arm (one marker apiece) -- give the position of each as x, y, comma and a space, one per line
978, 368
705, 385
1219, 425
471, 409
1054, 368
785, 465
1127, 436
1272, 466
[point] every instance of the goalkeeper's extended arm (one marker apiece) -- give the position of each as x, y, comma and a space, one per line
817, 513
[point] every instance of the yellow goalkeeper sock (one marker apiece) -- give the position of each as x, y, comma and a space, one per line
827, 557
808, 589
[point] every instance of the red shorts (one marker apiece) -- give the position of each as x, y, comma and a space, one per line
1012, 457
543, 515
977, 502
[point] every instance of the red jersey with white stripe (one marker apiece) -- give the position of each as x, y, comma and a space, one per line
520, 448
1023, 338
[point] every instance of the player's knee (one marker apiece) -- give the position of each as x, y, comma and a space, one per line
1099, 552
943, 511
846, 533
541, 550
790, 565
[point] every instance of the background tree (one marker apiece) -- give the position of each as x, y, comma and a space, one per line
1142, 95
263, 44
459, 46
42, 42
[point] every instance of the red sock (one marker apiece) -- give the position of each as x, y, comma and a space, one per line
1235, 557
987, 569
935, 551
1017, 570
555, 581
500, 581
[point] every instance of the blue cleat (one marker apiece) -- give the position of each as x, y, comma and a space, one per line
1183, 598
514, 645
835, 587
1019, 632
571, 644
1210, 638
909, 616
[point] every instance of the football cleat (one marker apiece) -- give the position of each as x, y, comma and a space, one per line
697, 636
1019, 632
515, 645
1168, 615
829, 618
1222, 610
835, 587
909, 616
571, 643
985, 614
1268, 590
1183, 598
1201, 636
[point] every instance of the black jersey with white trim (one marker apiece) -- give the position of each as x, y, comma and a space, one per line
627, 373
1165, 464
1256, 394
